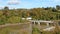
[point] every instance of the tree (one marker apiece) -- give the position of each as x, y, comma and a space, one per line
6, 11
54, 10
57, 7
6, 8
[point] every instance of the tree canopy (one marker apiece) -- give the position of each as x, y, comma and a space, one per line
15, 15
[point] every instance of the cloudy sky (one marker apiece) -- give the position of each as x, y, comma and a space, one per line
28, 3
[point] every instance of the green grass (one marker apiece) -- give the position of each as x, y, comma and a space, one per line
18, 29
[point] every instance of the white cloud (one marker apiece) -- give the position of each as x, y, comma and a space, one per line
1, 7
13, 2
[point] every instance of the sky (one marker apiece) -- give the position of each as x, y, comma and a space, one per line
28, 3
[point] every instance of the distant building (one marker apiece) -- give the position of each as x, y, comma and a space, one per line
28, 18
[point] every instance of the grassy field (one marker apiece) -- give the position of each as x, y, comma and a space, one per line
17, 29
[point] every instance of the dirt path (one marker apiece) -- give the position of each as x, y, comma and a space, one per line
5, 25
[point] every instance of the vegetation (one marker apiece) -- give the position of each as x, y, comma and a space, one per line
56, 30
15, 29
14, 15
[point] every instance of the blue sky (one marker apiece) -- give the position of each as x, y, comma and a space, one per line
28, 3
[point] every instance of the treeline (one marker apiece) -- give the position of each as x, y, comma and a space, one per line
14, 15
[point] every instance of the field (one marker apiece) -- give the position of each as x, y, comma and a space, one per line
16, 29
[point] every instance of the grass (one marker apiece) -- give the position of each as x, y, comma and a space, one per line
18, 29
35, 31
